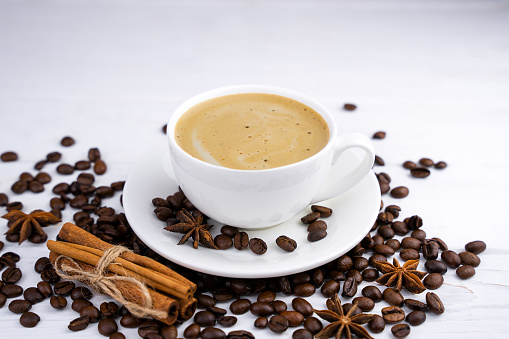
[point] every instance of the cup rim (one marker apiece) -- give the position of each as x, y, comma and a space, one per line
254, 88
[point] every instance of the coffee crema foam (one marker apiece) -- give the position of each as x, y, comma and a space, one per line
251, 131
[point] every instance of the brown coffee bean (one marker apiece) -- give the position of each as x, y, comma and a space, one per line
278, 324
393, 314
229, 230
442, 245
349, 107
240, 306
300, 278
399, 192
415, 305
409, 164
19, 187
35, 187
409, 254
384, 187
420, 172
266, 296
434, 303
11, 275
222, 295
313, 325
19, 306
64, 288
435, 266
356, 275
384, 250
469, 258
344, 263
11, 290
67, 141
130, 321
349, 288
393, 297
310, 217
304, 290
465, 271
80, 293
91, 312
240, 334
294, 318
261, 322
302, 333
79, 324
384, 177
384, 218
400, 228
44, 288
373, 293
433, 281
107, 327
167, 332
378, 240
100, 167
475, 247
286, 243
212, 333
223, 242
78, 304
4, 199
426, 162
400, 330
411, 242
376, 257
379, 161
261, 309
12, 206
415, 318
227, 321
33, 295
379, 135
3, 300
330, 288
29, 319
376, 324
9, 156
94, 154
302, 306
430, 249
364, 303
360, 263
284, 285
58, 302
440, 165
241, 240
205, 301
385, 231
316, 235
257, 245
65, 169
109, 309
318, 225
149, 327
324, 211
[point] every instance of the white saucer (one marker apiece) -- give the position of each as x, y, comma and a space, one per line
354, 213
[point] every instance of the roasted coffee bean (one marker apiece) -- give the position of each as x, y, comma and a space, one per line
168, 332
94, 154
294, 318
378, 240
4, 200
435, 266
78, 304
330, 288
349, 288
384, 250
476, 247
434, 303
240, 286
284, 285
393, 314
430, 250
217, 311
394, 210
227, 321
465, 271
383, 177
440, 165
442, 245
85, 179
367, 242
356, 275
240, 334
79, 324
33, 295
205, 301
300, 278
316, 235
100, 167
205, 318
324, 211
400, 330
229, 230
336, 275
346, 308
415, 305
426, 162
279, 306
386, 231
364, 303
44, 288
148, 327
35, 187
223, 242
212, 333
286, 243
304, 290
241, 240
108, 309
393, 297
420, 172
19, 187
278, 324
65, 169
29, 319
409, 164
344, 263
14, 257
384, 218
384, 187
302, 333
418, 234
379, 135
415, 318
64, 288
310, 217
11, 290
261, 309
400, 228
302, 306
11, 275
107, 327
409, 254
39, 165
376, 324
19, 306
119, 335
130, 321
43, 178
399, 192
414, 222
411, 242
61, 188
313, 325
58, 302
376, 257
394, 243
266, 297
222, 295
261, 322
469, 258
257, 245
82, 165
349, 107
379, 161
373, 293
91, 312
12, 206
192, 331
9, 156
433, 281
57, 204
80, 293
360, 263
118, 185
79, 201
3, 300
67, 141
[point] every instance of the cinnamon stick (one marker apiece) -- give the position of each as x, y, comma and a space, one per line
161, 302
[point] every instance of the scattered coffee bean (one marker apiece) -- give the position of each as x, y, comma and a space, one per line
79, 324
364, 303
205, 318
266, 296
257, 245
325, 212
11, 290
240, 306
379, 135
433, 281
286, 243
384, 250
330, 288
411, 242
261, 322
58, 302
4, 199
223, 242
430, 249
399, 192
469, 258
91, 312
435, 266
9, 156
19, 306
78, 304
227, 321
33, 295
11, 275
67, 141
373, 293
302, 306
65, 169
409, 164
64, 288
19, 187
109, 309
302, 333
415, 305
29, 319
426, 162
80, 293
94, 154
465, 271
393, 297
420, 172
12, 206
376, 324
400, 330
393, 314
379, 161
149, 327
476, 247
100, 167
278, 324
212, 333
349, 288
316, 235
349, 107
107, 327
310, 217
130, 321
440, 165
451, 258
294, 318
241, 240
261, 309
434, 303
317, 226
44, 288
415, 318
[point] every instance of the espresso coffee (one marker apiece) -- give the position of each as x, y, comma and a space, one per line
251, 131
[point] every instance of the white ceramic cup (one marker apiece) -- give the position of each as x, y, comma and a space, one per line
261, 198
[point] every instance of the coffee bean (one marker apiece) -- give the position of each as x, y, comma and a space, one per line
149, 327
108, 309
3, 300
302, 306
430, 250
85, 179
168, 332
57, 204
383, 177
418, 234
9, 156
217, 311
107, 327
19, 187
118, 185
476, 247
80, 293
58, 302
302, 333
35, 187
360, 263
82, 165
415, 305
399, 192
411, 242
91, 312
212, 333
384, 250
384, 218
304, 290
222, 295
294, 318
19, 306
261, 309
241, 240
12, 206
440, 165
316, 235
65, 169
364, 303
313, 325
434, 303
394, 243
223, 241
4, 199
376, 257
400, 228
372, 292
416, 318
33, 295
409, 254
119, 335
420, 172
266, 297
11, 290
349, 288
44, 288
378, 240
379, 135
409, 164
393, 314
349, 107
227, 321
324, 211
465, 271
279, 306
130, 321
257, 245
469, 258
379, 161
300, 278
39, 165
100, 167
347, 307
400, 330
426, 162
435, 266
205, 301
386, 231
78, 304
29, 319
278, 324
94, 154
376, 324
205, 318
344, 263
79, 324
229, 230
11, 275
286, 243
384, 187
64, 288
330, 288
393, 297
433, 281
442, 245
261, 322
14, 257
310, 217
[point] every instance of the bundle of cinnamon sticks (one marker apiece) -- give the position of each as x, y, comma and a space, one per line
170, 292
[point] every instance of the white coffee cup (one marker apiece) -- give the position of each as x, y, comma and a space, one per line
262, 198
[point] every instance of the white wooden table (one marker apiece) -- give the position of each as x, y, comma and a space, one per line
433, 74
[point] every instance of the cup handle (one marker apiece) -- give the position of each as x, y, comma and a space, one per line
337, 185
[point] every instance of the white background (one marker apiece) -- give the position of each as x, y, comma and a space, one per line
433, 74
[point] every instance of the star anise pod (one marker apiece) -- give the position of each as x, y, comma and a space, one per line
341, 323
398, 276
192, 226
29, 224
